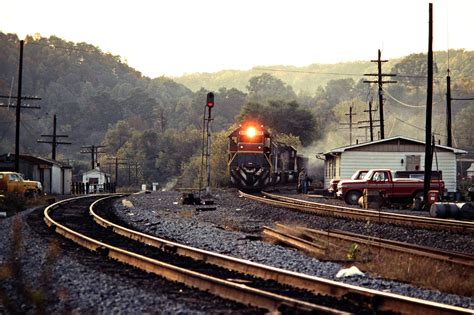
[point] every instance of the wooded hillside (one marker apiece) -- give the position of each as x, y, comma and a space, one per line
156, 123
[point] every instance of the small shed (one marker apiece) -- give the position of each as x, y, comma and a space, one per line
55, 176
396, 153
95, 177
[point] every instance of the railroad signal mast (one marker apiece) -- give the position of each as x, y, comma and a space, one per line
209, 104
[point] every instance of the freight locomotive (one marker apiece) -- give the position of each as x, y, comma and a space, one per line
256, 160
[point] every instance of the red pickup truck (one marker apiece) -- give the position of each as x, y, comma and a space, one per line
382, 180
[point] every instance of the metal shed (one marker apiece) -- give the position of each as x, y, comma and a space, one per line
396, 153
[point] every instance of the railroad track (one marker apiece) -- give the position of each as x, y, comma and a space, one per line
362, 214
360, 297
319, 241
71, 219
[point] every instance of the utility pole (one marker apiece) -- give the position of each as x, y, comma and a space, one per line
135, 166
371, 120
54, 143
448, 111
350, 114
19, 98
93, 150
429, 105
380, 83
449, 98
117, 163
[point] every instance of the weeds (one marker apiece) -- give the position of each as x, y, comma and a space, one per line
18, 294
14, 202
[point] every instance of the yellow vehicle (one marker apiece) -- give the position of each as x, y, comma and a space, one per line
14, 182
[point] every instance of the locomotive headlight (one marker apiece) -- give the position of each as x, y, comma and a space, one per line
251, 132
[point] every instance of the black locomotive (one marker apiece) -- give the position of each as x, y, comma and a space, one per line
256, 161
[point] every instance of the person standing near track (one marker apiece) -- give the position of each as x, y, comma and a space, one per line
303, 181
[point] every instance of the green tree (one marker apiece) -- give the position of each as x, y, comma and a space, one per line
266, 87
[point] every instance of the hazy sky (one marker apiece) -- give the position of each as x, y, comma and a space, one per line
172, 37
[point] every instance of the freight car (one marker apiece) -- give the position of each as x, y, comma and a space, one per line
256, 161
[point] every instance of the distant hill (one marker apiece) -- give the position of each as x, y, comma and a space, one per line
303, 79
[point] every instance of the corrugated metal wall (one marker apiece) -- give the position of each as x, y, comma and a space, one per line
351, 161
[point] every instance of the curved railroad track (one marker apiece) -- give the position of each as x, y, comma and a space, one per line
321, 290
71, 219
362, 214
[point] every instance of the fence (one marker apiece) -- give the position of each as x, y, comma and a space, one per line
80, 188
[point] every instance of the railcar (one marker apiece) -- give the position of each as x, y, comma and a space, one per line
256, 161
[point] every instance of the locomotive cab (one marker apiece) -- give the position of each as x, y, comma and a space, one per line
249, 161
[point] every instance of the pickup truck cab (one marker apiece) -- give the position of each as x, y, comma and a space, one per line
382, 180
14, 182
359, 174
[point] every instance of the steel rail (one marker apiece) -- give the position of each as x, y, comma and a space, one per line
362, 214
377, 300
409, 248
223, 288
285, 233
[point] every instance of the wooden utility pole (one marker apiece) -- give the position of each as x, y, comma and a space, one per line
93, 150
429, 105
448, 111
449, 98
19, 98
380, 83
350, 114
371, 121
118, 161
54, 142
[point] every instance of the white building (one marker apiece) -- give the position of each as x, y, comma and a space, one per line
95, 177
396, 153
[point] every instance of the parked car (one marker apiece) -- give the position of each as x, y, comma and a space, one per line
399, 189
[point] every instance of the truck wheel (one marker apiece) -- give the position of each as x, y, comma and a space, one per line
352, 197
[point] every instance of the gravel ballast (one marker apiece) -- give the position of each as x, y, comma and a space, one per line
232, 229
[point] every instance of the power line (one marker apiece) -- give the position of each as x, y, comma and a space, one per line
52, 46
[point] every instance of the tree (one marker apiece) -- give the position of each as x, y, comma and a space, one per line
283, 117
266, 87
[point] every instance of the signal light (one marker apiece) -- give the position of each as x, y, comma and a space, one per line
210, 100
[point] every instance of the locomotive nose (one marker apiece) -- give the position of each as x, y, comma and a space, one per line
250, 167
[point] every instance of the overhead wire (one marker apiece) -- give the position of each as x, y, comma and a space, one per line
52, 46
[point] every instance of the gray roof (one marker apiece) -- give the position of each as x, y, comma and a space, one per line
342, 149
